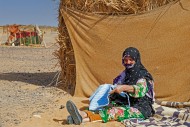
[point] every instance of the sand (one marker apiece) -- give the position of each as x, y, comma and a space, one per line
28, 97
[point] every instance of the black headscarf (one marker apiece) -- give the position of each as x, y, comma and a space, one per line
138, 71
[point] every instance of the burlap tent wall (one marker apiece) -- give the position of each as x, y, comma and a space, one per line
95, 36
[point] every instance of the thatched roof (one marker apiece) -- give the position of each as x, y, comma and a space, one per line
114, 6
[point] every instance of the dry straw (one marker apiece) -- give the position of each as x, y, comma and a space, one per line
65, 53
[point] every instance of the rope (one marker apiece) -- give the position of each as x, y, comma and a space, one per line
129, 104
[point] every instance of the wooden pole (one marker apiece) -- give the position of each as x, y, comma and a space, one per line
2, 35
20, 38
30, 38
7, 34
35, 34
35, 38
24, 38
15, 37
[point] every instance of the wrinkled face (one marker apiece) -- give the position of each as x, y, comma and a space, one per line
129, 62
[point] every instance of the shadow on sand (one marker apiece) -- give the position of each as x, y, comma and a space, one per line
40, 79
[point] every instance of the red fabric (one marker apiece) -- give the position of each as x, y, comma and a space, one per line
23, 34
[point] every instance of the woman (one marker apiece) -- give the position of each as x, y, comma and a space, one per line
136, 82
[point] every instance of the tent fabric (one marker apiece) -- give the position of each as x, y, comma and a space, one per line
162, 37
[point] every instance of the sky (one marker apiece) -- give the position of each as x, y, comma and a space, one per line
26, 12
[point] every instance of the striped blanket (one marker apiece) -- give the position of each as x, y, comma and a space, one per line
167, 116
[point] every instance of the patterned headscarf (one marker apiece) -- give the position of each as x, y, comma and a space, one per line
138, 70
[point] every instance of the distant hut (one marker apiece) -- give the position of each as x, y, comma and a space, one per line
23, 35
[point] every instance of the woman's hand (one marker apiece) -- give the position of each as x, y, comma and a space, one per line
118, 89
121, 88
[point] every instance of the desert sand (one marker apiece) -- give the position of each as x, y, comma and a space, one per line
28, 93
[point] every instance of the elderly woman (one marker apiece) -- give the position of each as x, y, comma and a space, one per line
136, 82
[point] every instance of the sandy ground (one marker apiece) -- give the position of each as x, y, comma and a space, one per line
28, 97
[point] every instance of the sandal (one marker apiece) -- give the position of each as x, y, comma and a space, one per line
73, 111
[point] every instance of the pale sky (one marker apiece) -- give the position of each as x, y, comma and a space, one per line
25, 12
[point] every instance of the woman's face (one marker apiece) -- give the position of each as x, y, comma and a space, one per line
128, 61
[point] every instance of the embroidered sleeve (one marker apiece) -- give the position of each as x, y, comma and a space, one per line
140, 88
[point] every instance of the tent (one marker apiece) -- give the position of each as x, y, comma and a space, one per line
94, 34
